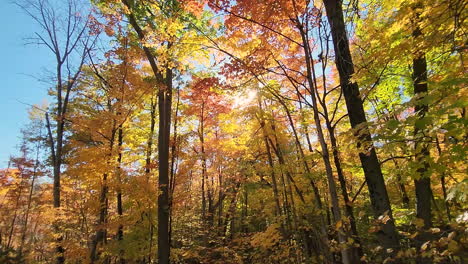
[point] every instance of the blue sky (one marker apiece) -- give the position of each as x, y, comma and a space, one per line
20, 67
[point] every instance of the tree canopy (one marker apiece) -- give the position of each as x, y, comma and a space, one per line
215, 131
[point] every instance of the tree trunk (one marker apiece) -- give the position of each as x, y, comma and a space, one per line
220, 199
164, 103
422, 181
358, 253
174, 155
119, 191
203, 161
443, 184
56, 154
165, 112
311, 78
31, 190
401, 185
270, 158
368, 156
101, 233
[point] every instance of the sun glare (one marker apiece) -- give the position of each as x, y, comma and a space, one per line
243, 99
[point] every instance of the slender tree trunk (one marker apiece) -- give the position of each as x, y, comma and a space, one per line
148, 167
244, 225
174, 156
119, 191
273, 174
203, 160
368, 156
149, 142
402, 187
443, 184
231, 210
220, 198
270, 159
299, 146
31, 190
101, 233
15, 215
344, 192
345, 254
56, 154
356, 252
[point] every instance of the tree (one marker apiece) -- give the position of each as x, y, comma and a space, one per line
65, 34
370, 163
260, 168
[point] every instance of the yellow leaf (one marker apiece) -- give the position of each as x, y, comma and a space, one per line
419, 222
453, 246
425, 245
451, 235
338, 224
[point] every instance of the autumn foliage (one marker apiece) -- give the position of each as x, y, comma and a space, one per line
248, 132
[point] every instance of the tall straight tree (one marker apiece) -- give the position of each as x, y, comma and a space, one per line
422, 182
367, 154
65, 33
164, 82
163, 29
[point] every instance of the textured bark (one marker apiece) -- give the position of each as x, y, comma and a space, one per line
369, 161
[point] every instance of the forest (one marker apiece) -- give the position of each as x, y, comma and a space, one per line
243, 131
